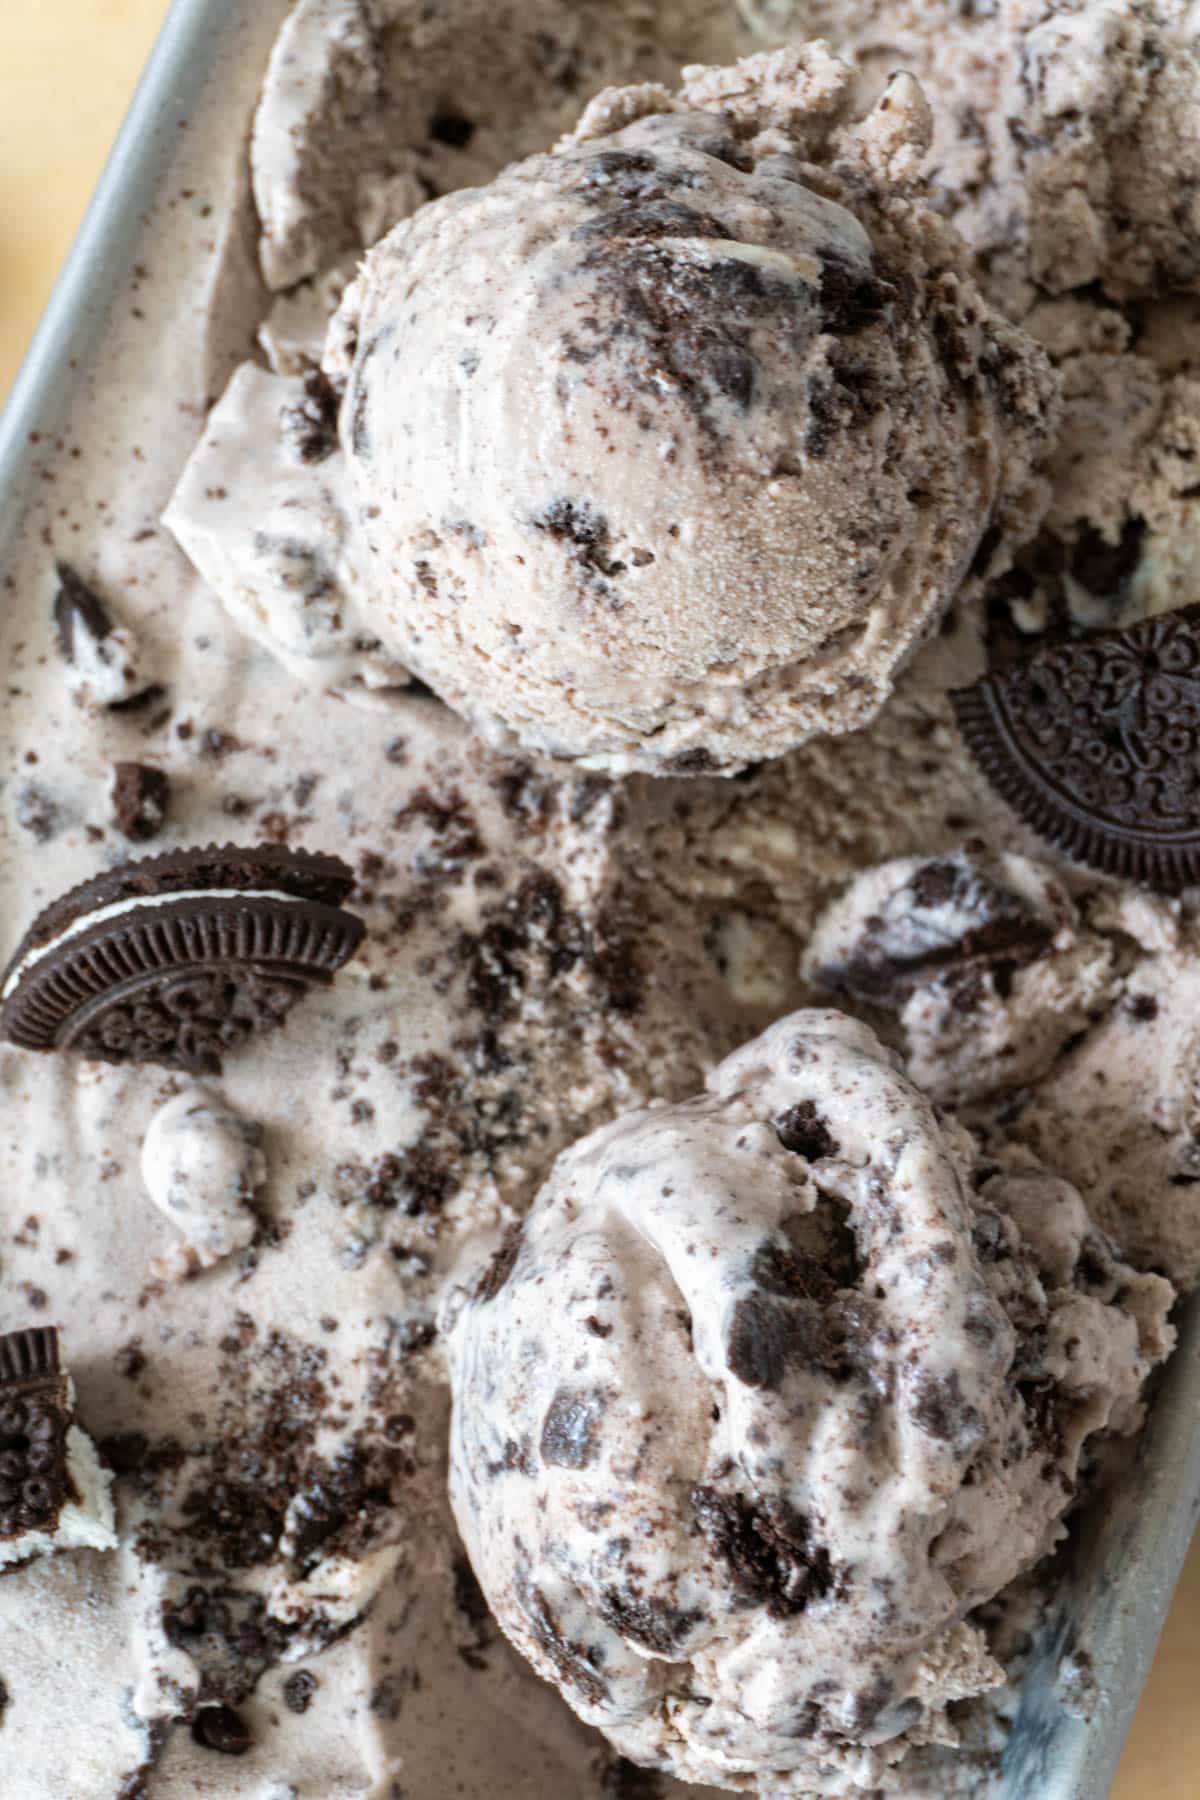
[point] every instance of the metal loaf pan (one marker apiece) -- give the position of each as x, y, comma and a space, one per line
1126, 1553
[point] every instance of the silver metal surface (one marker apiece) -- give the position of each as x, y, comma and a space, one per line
102, 255
1127, 1550
1119, 1573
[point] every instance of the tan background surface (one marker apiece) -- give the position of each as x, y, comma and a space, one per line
67, 69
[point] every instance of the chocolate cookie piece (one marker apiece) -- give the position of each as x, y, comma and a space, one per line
960, 917
140, 798
78, 611
103, 658
221, 1729
177, 958
1095, 743
35, 1410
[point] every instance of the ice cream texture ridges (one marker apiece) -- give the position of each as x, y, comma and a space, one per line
550, 950
666, 450
770, 1390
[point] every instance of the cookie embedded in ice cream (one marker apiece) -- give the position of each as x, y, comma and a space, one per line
1095, 743
769, 1391
202, 1165
104, 661
980, 956
141, 798
667, 449
54, 1495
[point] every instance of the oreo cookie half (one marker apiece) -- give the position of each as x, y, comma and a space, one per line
176, 959
1095, 744
35, 1411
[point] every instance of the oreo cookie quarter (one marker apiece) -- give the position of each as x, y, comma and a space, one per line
35, 1410
1095, 744
176, 959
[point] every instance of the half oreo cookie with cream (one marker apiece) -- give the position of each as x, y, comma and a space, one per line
176, 959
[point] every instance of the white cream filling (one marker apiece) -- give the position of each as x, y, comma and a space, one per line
149, 903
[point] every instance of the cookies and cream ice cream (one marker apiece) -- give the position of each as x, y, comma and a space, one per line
664, 450
667, 449
767, 1392
982, 959
290, 1608
202, 1166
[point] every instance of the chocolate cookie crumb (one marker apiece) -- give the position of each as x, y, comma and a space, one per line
501, 1266
220, 1728
311, 425
452, 128
802, 1130
770, 1560
140, 796
78, 610
568, 1431
298, 1691
623, 1780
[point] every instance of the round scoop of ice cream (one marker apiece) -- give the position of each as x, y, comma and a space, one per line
668, 448
769, 1390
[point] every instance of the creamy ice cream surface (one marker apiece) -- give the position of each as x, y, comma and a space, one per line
767, 1392
693, 401
609, 423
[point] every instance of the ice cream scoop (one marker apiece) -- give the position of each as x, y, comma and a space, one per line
667, 449
770, 1390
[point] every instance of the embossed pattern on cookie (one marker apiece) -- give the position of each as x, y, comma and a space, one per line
34, 1414
1095, 744
179, 958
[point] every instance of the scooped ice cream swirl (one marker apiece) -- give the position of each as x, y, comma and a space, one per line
769, 1391
668, 448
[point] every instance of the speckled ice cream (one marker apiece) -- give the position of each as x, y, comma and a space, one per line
546, 949
769, 1391
1067, 151
202, 1165
609, 421
983, 959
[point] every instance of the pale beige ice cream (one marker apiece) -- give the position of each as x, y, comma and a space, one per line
770, 1390
1066, 150
547, 949
202, 1166
667, 449
1070, 144
1066, 1024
